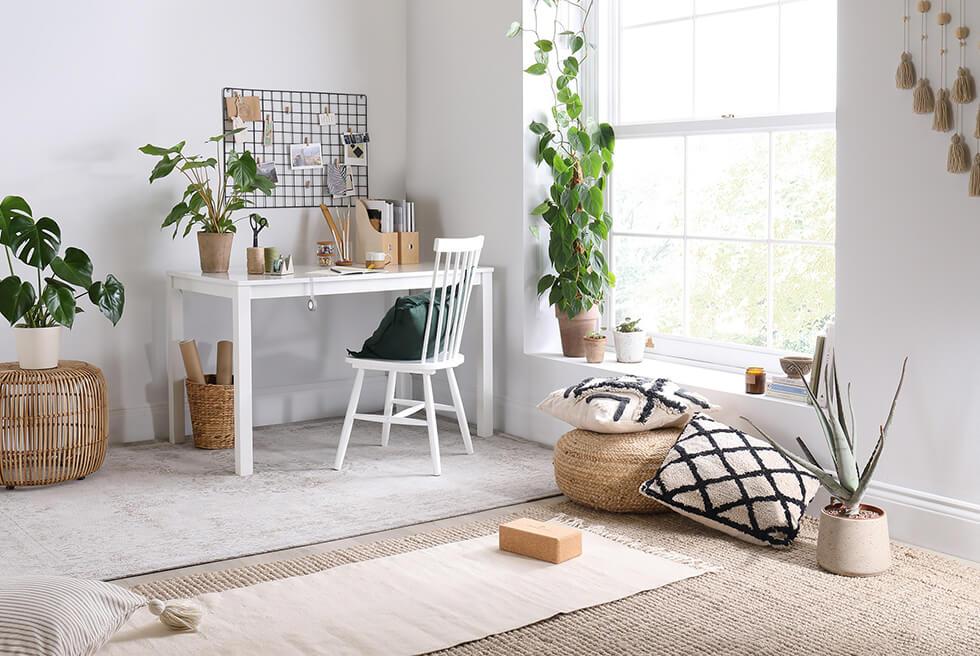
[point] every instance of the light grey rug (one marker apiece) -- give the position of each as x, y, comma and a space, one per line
158, 506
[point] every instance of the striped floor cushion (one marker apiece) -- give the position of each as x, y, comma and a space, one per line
57, 616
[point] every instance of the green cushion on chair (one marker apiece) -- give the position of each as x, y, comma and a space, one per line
400, 334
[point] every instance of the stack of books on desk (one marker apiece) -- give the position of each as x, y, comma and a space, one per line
791, 389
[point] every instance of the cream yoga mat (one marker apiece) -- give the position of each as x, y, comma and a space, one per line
409, 603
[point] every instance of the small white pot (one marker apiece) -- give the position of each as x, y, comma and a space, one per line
38, 348
629, 346
854, 547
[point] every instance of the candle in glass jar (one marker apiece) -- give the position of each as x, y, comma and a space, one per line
755, 380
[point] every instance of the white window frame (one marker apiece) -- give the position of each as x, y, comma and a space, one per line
606, 98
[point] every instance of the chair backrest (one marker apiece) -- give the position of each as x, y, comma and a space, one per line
455, 265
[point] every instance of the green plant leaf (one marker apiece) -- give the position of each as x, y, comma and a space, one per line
536, 69
75, 268
570, 66
541, 57
110, 297
545, 283
179, 211
514, 29
577, 43
163, 168
16, 298
160, 151
542, 208
605, 137
593, 204
10, 207
225, 135
574, 106
59, 301
199, 164
35, 242
562, 81
538, 128
545, 44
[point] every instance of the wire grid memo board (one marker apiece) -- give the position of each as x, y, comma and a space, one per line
296, 120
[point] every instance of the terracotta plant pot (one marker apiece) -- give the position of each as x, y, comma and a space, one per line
215, 251
38, 348
853, 546
629, 346
595, 349
574, 329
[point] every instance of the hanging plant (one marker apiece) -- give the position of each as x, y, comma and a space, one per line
579, 153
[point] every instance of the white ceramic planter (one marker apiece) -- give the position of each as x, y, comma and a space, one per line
854, 547
38, 348
629, 346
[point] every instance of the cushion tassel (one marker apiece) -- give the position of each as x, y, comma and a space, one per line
942, 119
959, 156
176, 615
923, 101
975, 176
965, 87
905, 75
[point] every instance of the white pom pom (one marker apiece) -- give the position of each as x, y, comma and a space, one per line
176, 615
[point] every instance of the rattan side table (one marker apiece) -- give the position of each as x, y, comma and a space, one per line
54, 423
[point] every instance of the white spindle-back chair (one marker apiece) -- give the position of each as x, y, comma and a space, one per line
452, 282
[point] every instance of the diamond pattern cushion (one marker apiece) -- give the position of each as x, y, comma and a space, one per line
721, 477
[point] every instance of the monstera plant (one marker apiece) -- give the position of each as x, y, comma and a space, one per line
579, 153
61, 278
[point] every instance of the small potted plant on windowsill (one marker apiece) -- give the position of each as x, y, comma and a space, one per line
630, 341
37, 243
595, 347
852, 539
203, 206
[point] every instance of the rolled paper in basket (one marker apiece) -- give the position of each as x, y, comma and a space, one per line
224, 363
192, 361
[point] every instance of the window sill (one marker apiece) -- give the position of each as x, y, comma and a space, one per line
723, 386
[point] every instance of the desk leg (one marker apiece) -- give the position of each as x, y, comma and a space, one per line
484, 368
175, 382
242, 336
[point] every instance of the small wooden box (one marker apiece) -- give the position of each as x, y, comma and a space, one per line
408, 248
553, 543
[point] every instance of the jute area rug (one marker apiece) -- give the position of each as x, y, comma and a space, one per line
763, 601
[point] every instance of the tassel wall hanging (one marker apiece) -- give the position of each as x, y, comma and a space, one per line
975, 171
942, 118
905, 75
964, 91
923, 100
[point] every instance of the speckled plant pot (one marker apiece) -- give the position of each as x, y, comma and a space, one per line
854, 547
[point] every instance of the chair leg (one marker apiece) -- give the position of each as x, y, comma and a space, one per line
355, 396
389, 403
430, 420
464, 428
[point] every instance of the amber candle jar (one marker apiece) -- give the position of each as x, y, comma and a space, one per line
755, 380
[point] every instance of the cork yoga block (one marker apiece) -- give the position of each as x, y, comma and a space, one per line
605, 471
550, 542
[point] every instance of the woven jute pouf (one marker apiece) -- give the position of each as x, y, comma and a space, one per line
605, 471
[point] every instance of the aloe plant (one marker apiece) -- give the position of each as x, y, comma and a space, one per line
846, 483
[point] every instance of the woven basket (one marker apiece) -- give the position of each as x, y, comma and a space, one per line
212, 414
605, 471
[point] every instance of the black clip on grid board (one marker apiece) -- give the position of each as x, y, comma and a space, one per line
296, 120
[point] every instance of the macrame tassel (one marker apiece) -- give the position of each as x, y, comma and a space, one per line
959, 156
923, 101
975, 176
176, 615
942, 119
965, 87
905, 75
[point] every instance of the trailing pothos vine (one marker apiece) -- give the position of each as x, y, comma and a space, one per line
579, 152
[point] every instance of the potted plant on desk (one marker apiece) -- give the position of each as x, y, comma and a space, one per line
579, 153
201, 205
43, 310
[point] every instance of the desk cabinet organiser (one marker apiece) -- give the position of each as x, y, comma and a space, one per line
368, 239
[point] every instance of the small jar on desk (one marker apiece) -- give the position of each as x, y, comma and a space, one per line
755, 380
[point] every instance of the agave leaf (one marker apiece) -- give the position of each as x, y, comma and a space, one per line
891, 411
850, 409
807, 453
869, 470
827, 480
840, 408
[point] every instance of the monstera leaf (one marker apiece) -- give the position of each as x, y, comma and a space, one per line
110, 296
34, 242
75, 268
59, 301
16, 298
10, 207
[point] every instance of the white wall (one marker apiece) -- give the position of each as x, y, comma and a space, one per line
906, 235
86, 83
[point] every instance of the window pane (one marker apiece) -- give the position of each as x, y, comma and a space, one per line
648, 184
803, 287
804, 185
808, 75
637, 12
653, 59
650, 282
728, 289
728, 185
712, 6
736, 64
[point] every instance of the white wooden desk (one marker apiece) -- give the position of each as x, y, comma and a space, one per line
242, 289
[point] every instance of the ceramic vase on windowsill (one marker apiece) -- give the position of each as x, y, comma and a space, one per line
574, 329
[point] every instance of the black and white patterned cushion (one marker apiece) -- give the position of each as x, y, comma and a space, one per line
58, 616
624, 404
721, 477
